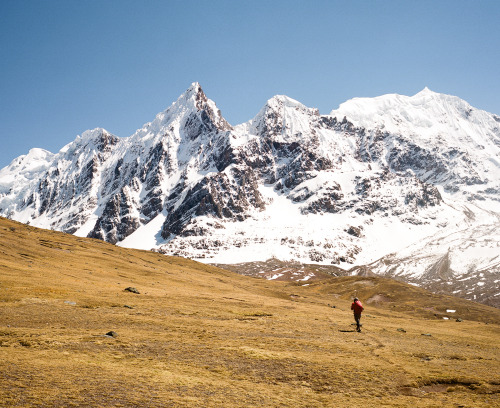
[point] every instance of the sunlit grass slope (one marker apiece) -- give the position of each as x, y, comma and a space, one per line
198, 336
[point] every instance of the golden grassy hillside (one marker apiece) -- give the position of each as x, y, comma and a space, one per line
198, 336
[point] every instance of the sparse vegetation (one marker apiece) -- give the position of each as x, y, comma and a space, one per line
196, 335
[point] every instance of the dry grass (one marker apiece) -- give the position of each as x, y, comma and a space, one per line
200, 336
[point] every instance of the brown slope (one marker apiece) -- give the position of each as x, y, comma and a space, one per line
389, 294
196, 336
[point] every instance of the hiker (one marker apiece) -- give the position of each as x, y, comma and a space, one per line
357, 308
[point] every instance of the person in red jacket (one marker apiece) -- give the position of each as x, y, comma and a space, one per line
357, 308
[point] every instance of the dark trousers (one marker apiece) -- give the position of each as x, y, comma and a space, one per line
357, 317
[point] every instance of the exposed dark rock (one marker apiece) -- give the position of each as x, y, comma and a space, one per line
117, 220
153, 203
219, 195
132, 290
354, 231
426, 195
209, 116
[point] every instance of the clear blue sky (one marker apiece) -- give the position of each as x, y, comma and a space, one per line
71, 65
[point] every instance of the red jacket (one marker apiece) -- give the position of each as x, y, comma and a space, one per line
357, 307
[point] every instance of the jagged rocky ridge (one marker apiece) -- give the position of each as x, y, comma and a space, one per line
370, 179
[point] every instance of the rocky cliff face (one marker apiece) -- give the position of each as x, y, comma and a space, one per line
370, 179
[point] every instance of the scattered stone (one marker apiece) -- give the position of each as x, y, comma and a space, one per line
68, 302
112, 334
131, 289
354, 231
401, 330
427, 334
128, 307
459, 320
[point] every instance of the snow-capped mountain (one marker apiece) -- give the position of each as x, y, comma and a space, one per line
374, 182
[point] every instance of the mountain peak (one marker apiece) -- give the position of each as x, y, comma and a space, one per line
284, 116
283, 100
193, 100
196, 92
426, 90
194, 86
281, 103
193, 96
35, 157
